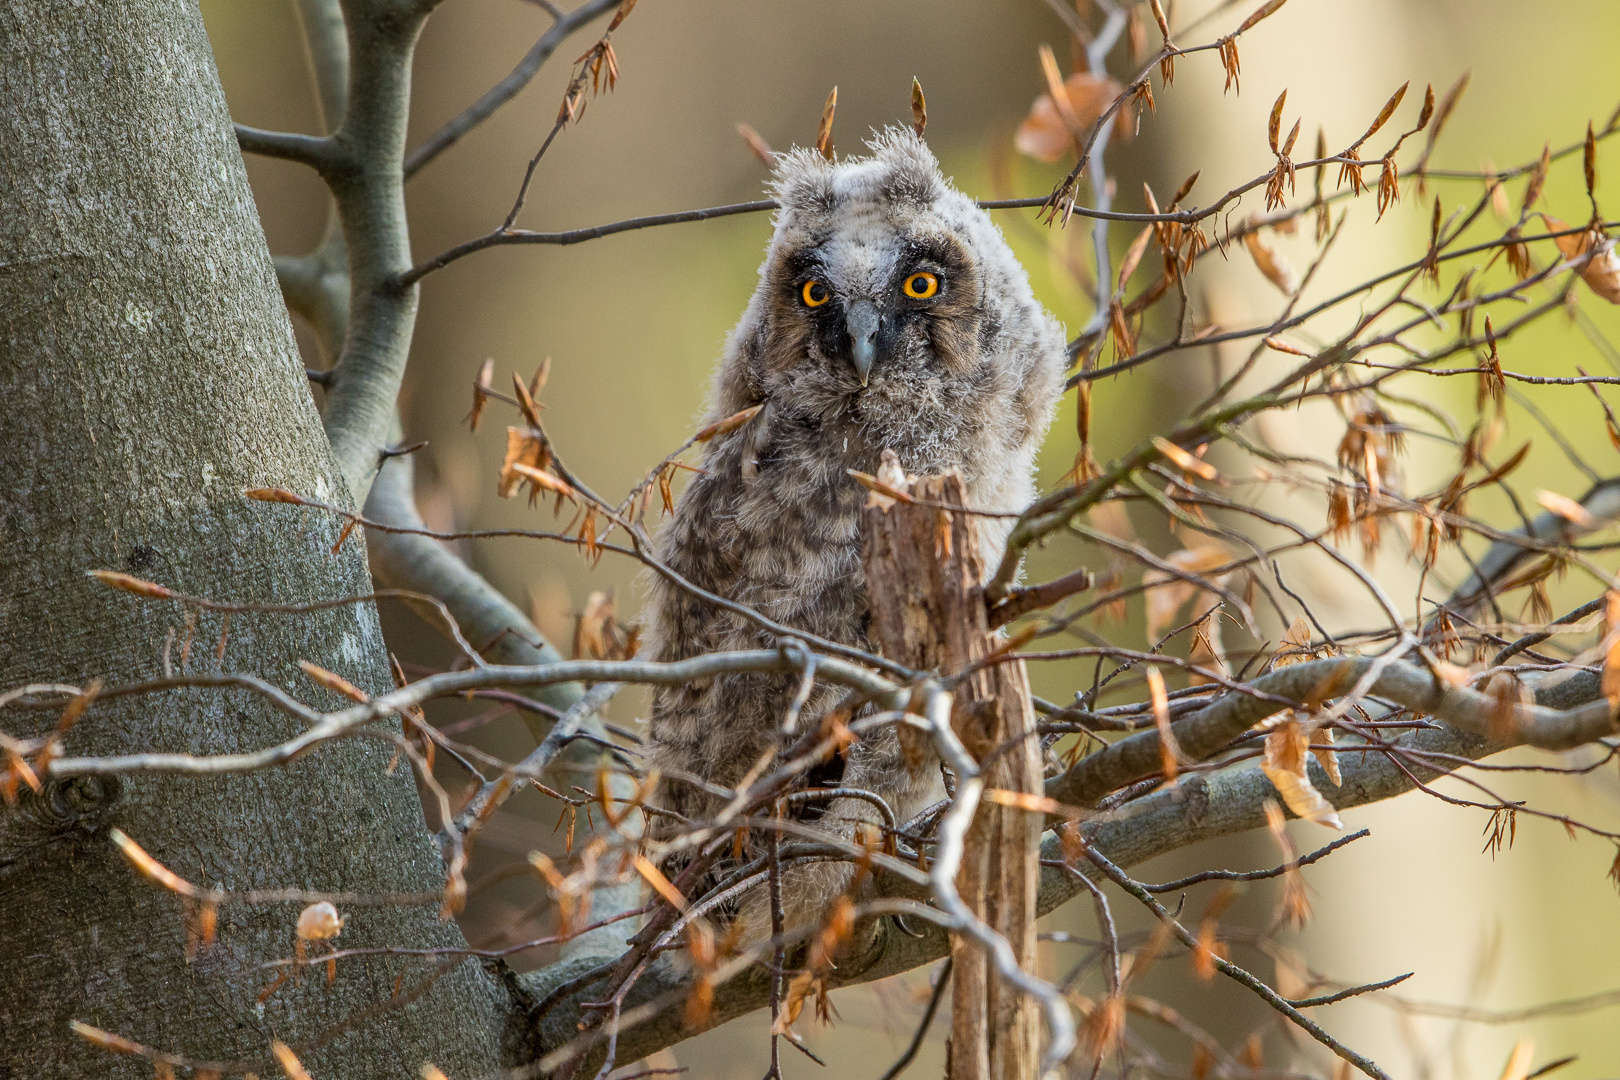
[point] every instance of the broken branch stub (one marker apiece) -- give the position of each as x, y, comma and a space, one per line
925, 580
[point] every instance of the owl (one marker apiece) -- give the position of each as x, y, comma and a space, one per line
890, 314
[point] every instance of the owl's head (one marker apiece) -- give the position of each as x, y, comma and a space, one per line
881, 278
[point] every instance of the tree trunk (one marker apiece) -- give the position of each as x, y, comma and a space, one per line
149, 377
925, 579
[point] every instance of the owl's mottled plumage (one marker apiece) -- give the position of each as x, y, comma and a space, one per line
966, 379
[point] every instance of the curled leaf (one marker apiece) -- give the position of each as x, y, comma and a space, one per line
1284, 763
1594, 256
1061, 117
319, 922
1273, 266
523, 447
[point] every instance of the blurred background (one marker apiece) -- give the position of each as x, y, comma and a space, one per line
633, 324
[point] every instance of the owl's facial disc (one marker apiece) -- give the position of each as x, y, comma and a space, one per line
862, 324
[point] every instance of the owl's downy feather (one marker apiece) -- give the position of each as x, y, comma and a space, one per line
965, 377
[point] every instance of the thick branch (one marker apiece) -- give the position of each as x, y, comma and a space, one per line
371, 206
327, 40
1206, 731
1201, 808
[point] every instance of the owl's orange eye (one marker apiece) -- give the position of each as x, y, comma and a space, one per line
921, 285
815, 294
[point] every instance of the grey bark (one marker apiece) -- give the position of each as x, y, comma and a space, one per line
149, 376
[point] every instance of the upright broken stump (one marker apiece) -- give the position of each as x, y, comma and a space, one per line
924, 576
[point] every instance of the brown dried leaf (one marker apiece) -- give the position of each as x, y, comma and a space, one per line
1538, 179
1593, 252
1185, 461
1611, 668
1265, 10
1061, 117
1590, 160
1327, 758
289, 1061
481, 387
1169, 752
1136, 32
757, 146
1284, 763
539, 478
1447, 104
1133, 257
597, 635
659, 882
523, 447
1518, 1062
1119, 330
727, 425
1104, 1028
919, 108
537, 382
824, 143
130, 584
281, 495
319, 922
1294, 905
1566, 508
105, 1040
1230, 63
150, 867
1296, 645
622, 14
1274, 127
333, 682
1275, 268
1159, 17
1385, 113
526, 402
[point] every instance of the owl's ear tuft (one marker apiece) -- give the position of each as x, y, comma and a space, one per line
913, 171
803, 179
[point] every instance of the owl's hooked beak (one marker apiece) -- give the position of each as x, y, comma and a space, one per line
862, 323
